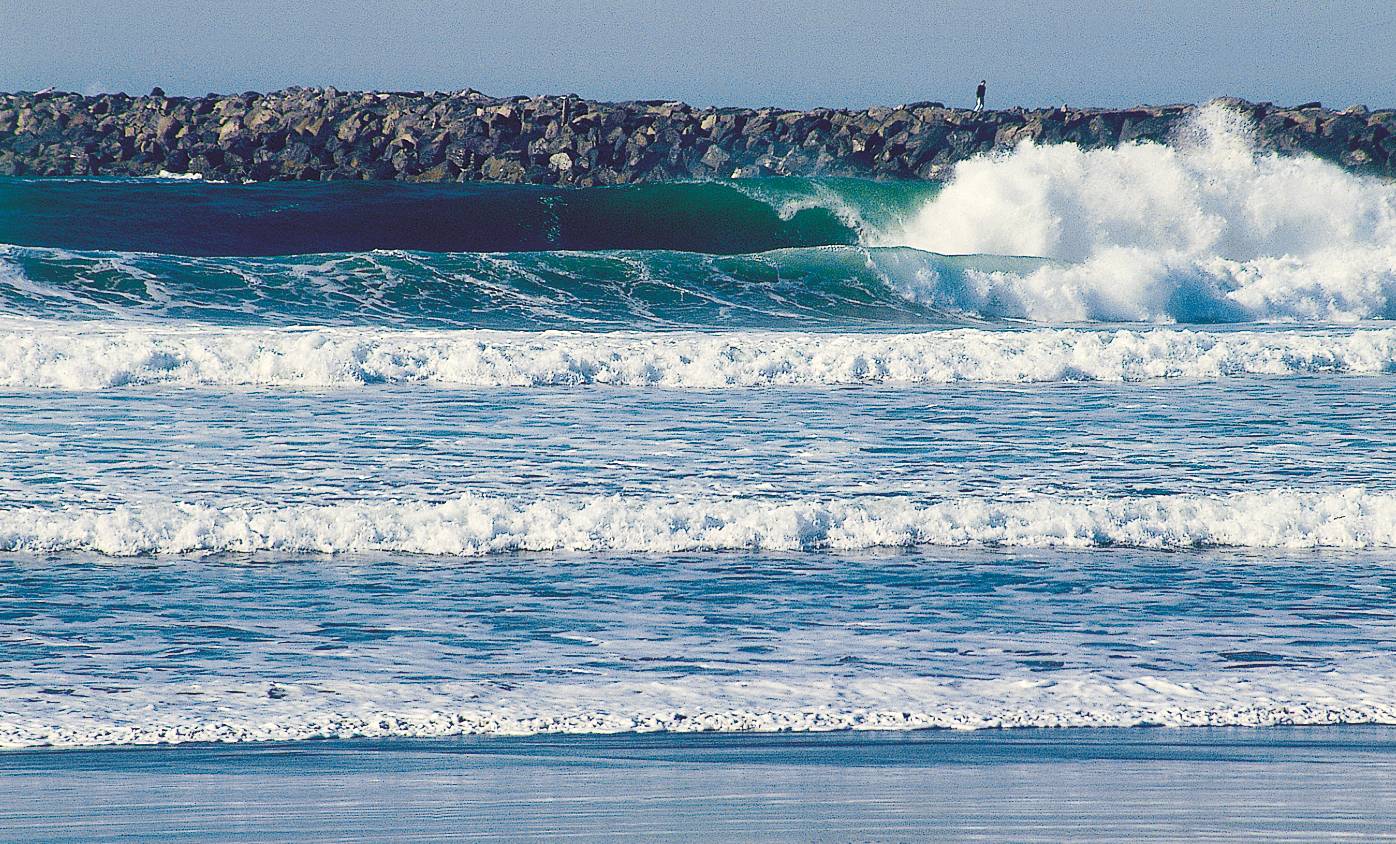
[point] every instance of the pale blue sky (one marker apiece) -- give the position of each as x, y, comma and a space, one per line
819, 52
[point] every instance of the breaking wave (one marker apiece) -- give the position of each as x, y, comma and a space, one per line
1207, 229
473, 525
76, 356
242, 711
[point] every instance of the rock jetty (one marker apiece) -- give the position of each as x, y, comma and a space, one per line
322, 133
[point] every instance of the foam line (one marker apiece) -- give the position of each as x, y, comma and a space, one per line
474, 525
97, 356
217, 710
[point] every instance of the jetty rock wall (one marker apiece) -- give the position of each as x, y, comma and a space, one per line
322, 133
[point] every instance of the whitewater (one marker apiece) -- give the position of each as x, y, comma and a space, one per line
102, 356
472, 525
181, 714
1075, 438
1204, 230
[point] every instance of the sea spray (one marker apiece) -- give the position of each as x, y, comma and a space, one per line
1205, 230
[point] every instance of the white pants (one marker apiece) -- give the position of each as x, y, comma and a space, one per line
978, 104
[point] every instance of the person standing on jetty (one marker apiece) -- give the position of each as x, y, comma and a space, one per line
979, 97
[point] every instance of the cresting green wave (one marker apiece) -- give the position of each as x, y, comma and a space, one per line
178, 217
734, 253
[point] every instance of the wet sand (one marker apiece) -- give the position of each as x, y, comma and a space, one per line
1279, 783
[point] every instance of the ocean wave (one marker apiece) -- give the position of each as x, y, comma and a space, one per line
790, 288
1206, 229
242, 711
473, 525
96, 356
182, 214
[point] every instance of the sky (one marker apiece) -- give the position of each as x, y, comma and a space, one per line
839, 53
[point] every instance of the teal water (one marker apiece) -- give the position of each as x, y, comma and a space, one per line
193, 218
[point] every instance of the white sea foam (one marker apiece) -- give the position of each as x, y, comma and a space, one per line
233, 711
788, 202
95, 356
1205, 229
168, 175
473, 525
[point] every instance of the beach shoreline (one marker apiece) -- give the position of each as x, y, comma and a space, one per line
1140, 783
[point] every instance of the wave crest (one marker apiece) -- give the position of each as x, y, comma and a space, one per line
1205, 230
473, 525
76, 357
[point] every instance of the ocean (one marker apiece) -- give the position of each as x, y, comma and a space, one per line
1075, 439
